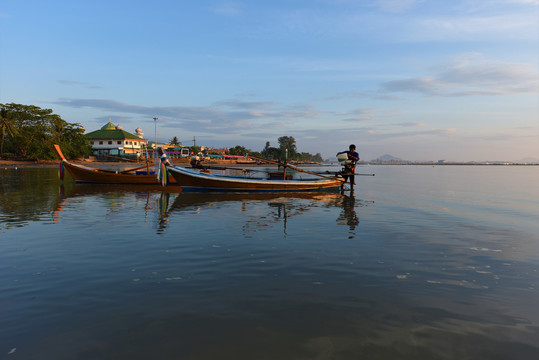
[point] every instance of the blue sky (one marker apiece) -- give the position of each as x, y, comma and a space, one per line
418, 79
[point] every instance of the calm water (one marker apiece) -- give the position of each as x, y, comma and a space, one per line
421, 262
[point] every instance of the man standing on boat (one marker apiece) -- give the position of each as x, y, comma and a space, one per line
349, 165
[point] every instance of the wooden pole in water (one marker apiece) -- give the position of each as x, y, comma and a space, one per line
285, 158
155, 144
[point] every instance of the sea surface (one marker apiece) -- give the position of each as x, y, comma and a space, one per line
419, 262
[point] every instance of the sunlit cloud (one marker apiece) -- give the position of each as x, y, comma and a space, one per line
470, 77
505, 77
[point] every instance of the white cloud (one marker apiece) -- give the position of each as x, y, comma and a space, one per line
472, 77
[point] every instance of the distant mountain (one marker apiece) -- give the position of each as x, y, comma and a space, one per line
528, 160
387, 159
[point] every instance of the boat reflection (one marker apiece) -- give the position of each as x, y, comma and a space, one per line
186, 200
153, 199
92, 189
163, 205
281, 205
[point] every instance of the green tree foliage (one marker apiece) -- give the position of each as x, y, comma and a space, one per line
239, 150
287, 143
271, 153
307, 157
29, 132
174, 141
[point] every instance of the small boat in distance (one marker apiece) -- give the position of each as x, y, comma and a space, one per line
193, 180
85, 174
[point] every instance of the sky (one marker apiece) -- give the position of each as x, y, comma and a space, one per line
418, 79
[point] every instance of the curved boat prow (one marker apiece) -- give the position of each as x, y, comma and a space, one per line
59, 151
163, 157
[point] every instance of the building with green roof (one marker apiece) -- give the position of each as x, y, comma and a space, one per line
113, 140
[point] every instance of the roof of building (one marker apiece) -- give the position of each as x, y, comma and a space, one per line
108, 126
110, 131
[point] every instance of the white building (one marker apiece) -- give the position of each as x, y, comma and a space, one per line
113, 140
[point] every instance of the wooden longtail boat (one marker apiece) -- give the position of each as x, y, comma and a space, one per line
191, 180
85, 174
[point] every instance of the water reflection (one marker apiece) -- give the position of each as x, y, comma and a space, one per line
29, 195
348, 215
273, 275
279, 207
151, 200
163, 212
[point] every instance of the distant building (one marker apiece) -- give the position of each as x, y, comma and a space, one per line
113, 140
217, 151
442, 162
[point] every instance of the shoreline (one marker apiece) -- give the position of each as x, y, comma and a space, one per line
54, 163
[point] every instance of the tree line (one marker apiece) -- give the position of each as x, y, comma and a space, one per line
287, 149
28, 132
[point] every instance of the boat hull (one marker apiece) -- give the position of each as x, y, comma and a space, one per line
191, 180
84, 174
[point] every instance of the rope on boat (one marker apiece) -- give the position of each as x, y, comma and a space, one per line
61, 170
